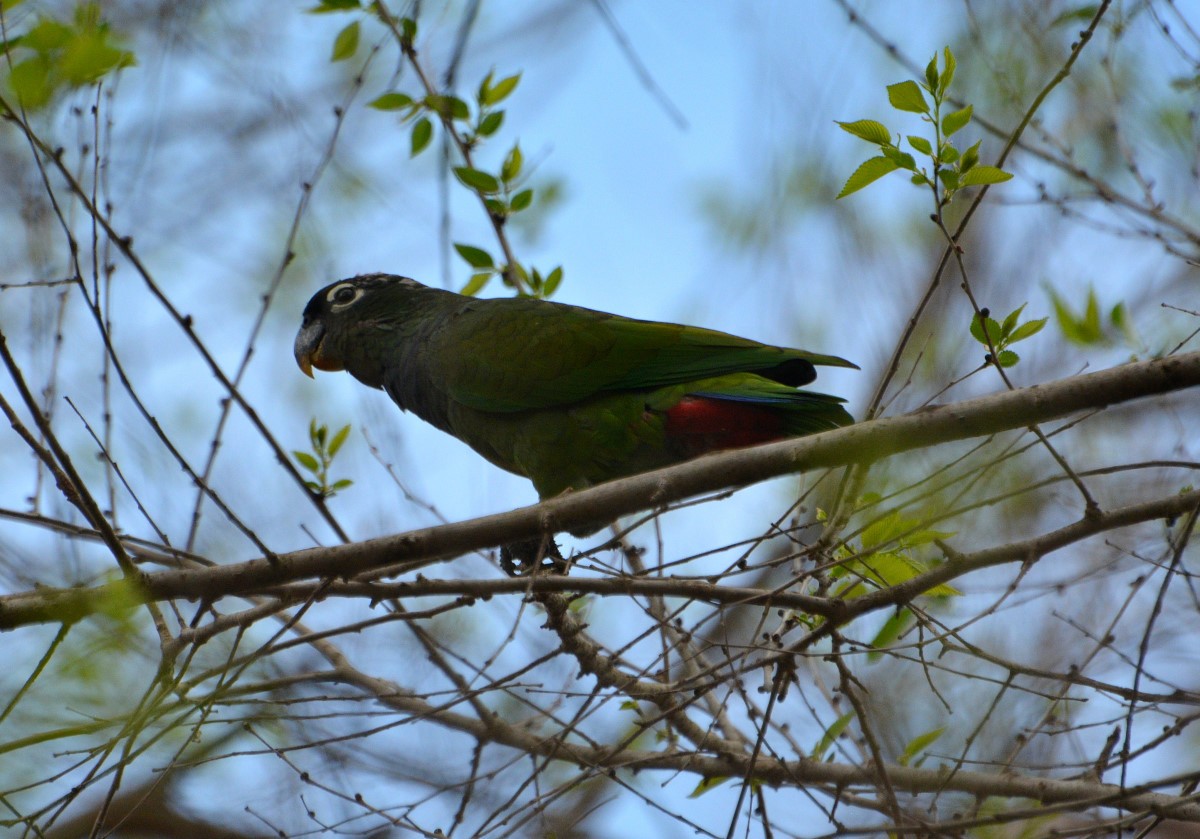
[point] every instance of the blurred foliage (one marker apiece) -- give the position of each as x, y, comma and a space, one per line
47, 56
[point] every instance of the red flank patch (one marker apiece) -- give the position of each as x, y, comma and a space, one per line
697, 425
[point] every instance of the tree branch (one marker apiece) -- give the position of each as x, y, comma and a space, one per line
864, 442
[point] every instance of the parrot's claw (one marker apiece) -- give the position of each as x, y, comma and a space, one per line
532, 556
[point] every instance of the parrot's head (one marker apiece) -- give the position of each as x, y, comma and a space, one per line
343, 323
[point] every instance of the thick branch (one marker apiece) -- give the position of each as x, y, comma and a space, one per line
859, 443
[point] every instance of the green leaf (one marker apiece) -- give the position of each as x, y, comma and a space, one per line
919, 179
869, 130
476, 283
949, 179
408, 27
333, 6
1091, 315
907, 96
422, 133
630, 705
970, 157
481, 94
500, 90
511, 167
475, 257
340, 485
490, 124
884, 569
931, 74
1007, 358
581, 604
984, 175
1010, 320
870, 171
948, 153
707, 784
393, 101
477, 180
1073, 16
892, 629
346, 42
521, 200
553, 279
307, 461
916, 538
957, 120
30, 81
993, 330
920, 144
918, 744
1073, 328
884, 529
449, 107
47, 35
89, 57
902, 159
338, 440
1119, 316
831, 734
948, 73
1028, 329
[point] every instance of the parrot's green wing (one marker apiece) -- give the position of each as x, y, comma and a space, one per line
516, 355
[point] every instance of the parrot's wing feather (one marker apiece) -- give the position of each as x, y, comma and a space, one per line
515, 355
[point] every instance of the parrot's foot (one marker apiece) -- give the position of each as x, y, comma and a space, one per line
531, 556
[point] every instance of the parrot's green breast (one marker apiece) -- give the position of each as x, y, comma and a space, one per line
570, 447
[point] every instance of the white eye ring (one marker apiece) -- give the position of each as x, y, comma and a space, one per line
338, 297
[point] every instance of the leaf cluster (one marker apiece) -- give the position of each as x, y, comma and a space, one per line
998, 336
323, 450
950, 169
1088, 327
503, 191
885, 554
52, 56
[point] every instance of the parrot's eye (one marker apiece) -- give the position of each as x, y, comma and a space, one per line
343, 295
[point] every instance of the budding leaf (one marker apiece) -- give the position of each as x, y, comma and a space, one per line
476, 284
391, 102
477, 180
870, 171
346, 42
952, 122
948, 73
931, 73
869, 130
920, 144
500, 90
1026, 330
475, 257
422, 133
984, 175
907, 96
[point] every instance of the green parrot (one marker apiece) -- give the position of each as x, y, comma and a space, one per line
566, 396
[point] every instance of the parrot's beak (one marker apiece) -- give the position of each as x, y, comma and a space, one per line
308, 346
